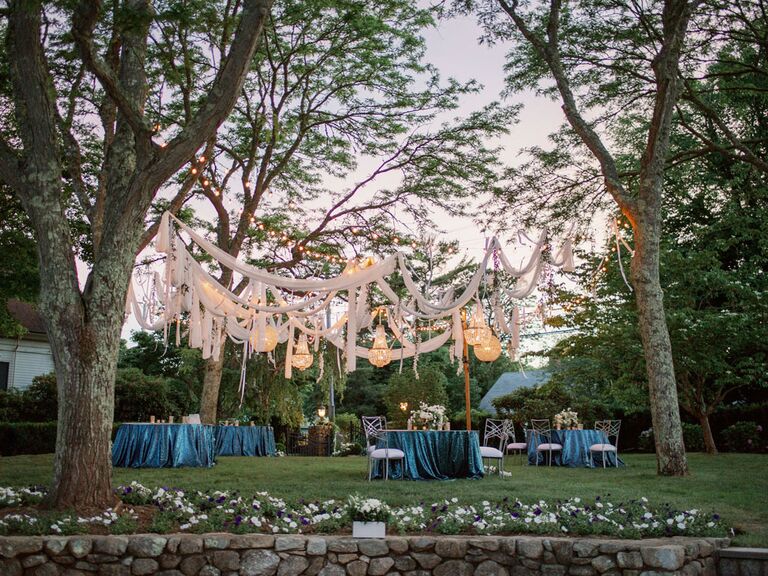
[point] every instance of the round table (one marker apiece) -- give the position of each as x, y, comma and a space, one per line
575, 453
143, 445
244, 440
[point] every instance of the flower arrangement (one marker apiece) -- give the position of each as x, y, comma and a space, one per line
428, 416
367, 509
567, 419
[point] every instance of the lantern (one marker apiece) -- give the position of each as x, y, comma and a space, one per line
265, 343
380, 355
477, 330
302, 358
489, 349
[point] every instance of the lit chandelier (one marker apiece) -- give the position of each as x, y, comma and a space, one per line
265, 342
477, 330
380, 355
489, 349
302, 358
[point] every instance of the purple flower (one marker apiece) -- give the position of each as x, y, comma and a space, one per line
238, 520
434, 507
537, 512
304, 520
477, 518
515, 515
128, 489
715, 516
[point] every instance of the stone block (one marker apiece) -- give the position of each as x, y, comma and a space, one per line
553, 570
168, 561
191, 565
145, 546
191, 545
12, 546
612, 547
315, 565
55, 545
259, 563
691, 569
344, 545
451, 548
521, 571
332, 570
603, 563
530, 547
405, 563
490, 568
172, 545
251, 541
534, 565
669, 557
169, 573
581, 570
346, 558
380, 566
373, 547
209, 570
292, 566
283, 543
490, 544
115, 570
453, 568
423, 544
80, 547
633, 560
705, 549
397, 545
216, 541
144, 566
47, 569
563, 550
585, 548
64, 560
10, 567
226, 560
747, 568
33, 560
357, 568
86, 566
426, 560
316, 546
113, 545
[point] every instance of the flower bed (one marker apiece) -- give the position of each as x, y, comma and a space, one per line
164, 510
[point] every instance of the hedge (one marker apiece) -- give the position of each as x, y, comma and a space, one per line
31, 437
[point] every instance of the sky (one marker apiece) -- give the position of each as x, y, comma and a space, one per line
453, 47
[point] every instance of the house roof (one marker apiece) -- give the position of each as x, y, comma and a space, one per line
508, 383
27, 315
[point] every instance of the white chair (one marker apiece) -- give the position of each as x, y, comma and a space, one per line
496, 432
515, 446
611, 429
377, 444
542, 439
193, 419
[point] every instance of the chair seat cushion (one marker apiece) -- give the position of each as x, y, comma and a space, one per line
602, 448
490, 452
387, 453
517, 446
371, 448
550, 446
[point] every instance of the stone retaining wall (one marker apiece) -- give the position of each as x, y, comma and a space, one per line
743, 562
263, 555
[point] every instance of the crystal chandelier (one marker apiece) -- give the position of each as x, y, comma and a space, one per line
302, 358
265, 342
489, 349
477, 330
380, 355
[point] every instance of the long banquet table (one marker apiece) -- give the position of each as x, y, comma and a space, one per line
244, 441
575, 451
434, 455
163, 446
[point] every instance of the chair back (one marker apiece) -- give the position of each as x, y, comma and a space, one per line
509, 428
496, 430
374, 426
541, 431
611, 429
193, 419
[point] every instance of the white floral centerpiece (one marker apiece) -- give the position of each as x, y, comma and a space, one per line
567, 419
369, 517
428, 416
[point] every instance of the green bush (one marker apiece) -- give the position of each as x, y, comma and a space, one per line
429, 387
38, 403
138, 396
459, 419
744, 437
692, 437
27, 438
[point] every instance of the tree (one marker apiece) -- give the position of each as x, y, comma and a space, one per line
429, 388
338, 86
76, 124
613, 58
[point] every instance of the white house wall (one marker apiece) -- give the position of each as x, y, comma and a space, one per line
27, 359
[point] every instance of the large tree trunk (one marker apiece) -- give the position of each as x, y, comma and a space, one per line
665, 411
706, 430
209, 400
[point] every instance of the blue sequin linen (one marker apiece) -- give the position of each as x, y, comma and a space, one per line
575, 453
244, 441
434, 455
163, 446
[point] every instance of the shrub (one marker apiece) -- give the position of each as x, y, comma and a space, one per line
27, 438
405, 387
138, 396
744, 437
692, 437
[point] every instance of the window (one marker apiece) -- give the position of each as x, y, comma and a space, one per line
4, 370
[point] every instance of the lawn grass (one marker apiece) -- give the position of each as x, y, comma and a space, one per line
732, 485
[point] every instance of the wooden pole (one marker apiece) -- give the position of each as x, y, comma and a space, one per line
466, 371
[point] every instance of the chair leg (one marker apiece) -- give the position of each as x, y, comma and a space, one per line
605, 457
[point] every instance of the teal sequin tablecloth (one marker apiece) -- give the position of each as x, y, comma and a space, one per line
163, 446
244, 441
434, 455
575, 453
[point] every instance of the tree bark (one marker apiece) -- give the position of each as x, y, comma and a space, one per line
706, 430
665, 410
209, 399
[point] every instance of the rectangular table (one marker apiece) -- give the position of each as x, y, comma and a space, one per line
244, 440
434, 455
575, 453
163, 446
